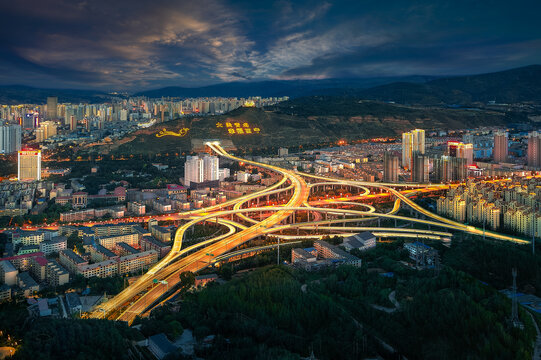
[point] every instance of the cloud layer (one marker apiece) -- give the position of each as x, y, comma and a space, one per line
133, 45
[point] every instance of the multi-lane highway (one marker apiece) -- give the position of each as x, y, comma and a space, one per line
249, 217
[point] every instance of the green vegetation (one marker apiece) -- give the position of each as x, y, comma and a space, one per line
310, 121
451, 316
162, 321
49, 215
491, 261
60, 339
187, 279
8, 166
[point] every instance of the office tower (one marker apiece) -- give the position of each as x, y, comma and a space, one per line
10, 138
534, 149
460, 150
45, 131
52, 107
501, 146
419, 171
193, 170
123, 115
412, 141
210, 168
283, 151
40, 134
28, 121
390, 168
448, 168
29, 165
73, 123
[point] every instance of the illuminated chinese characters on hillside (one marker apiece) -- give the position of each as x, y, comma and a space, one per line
182, 132
237, 128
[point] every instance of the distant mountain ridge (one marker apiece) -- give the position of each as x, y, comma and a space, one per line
510, 86
21, 94
277, 88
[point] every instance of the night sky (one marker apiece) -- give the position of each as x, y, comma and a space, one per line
134, 45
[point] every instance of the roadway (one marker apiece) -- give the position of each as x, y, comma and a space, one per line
143, 293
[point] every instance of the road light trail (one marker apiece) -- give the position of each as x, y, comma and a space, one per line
174, 263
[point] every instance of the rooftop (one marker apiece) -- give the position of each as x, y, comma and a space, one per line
162, 342
73, 256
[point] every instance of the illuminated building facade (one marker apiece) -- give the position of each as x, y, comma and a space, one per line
413, 141
419, 171
460, 150
210, 168
534, 149
390, 168
193, 170
501, 146
10, 138
52, 107
449, 168
29, 165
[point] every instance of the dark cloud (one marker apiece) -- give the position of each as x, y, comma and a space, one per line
129, 44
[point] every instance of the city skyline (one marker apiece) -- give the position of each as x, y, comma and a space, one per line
135, 46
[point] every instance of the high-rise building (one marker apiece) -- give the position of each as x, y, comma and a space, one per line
193, 170
501, 146
460, 150
390, 168
73, 123
29, 165
123, 115
419, 170
52, 107
10, 138
412, 141
482, 145
210, 168
45, 131
448, 168
534, 149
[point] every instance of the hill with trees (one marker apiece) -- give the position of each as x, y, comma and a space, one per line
307, 121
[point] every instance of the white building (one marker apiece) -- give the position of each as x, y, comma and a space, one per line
29, 165
193, 170
243, 176
10, 138
210, 168
224, 174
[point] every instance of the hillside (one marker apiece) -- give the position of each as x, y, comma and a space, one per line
511, 86
309, 120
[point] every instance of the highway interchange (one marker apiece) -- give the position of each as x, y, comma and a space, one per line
245, 219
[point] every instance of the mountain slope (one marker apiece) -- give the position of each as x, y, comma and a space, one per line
309, 120
276, 88
516, 85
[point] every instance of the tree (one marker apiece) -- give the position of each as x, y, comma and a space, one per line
226, 272
187, 279
73, 240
